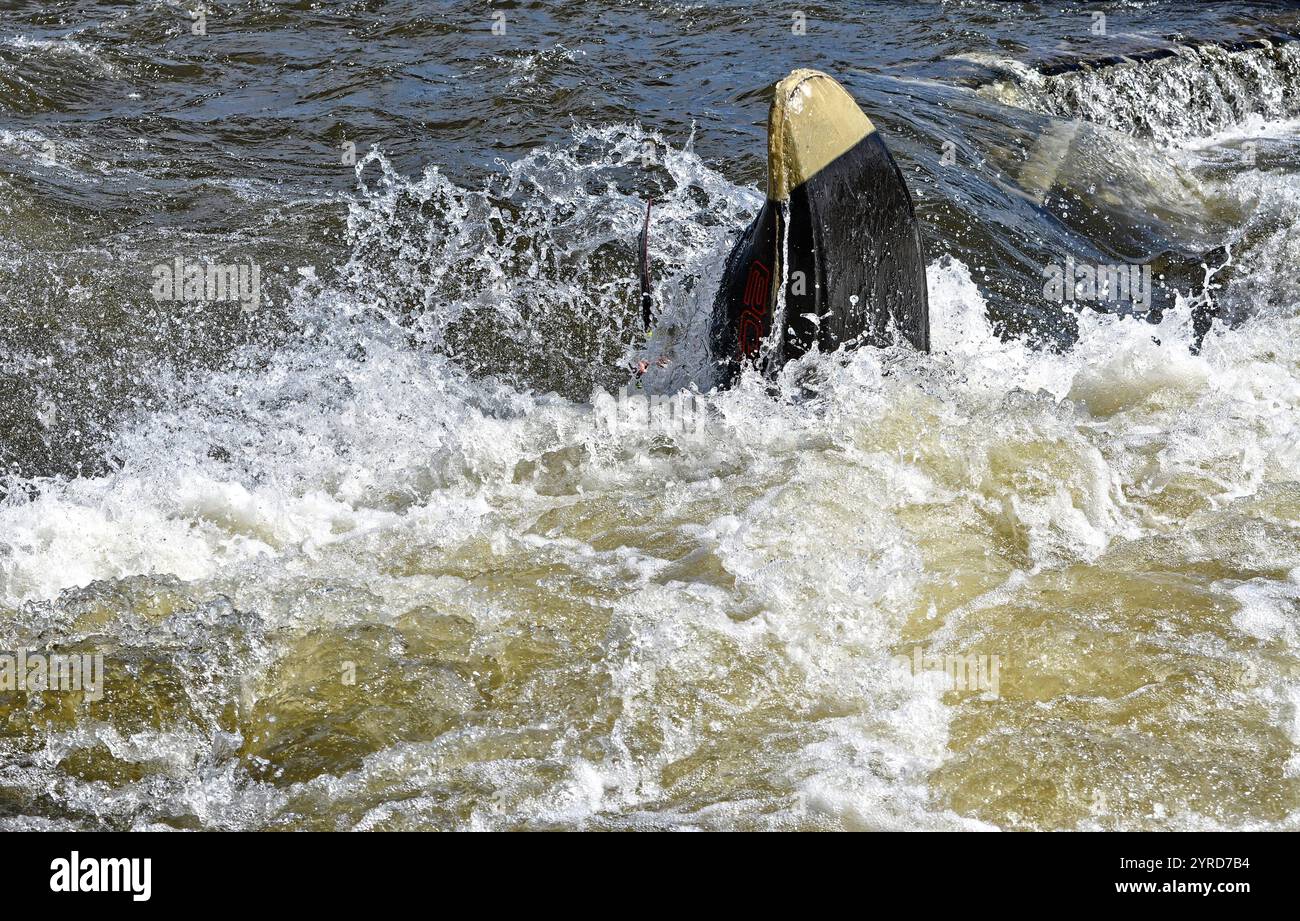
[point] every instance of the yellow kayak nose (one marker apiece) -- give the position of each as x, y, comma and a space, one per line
834, 258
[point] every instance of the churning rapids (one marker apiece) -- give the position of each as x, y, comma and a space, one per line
368, 558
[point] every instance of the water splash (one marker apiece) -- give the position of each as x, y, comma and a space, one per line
531, 277
509, 618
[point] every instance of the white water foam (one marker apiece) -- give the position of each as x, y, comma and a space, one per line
352, 448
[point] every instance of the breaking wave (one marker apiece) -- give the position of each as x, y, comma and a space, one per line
1190, 91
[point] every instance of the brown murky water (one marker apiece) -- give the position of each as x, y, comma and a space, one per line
368, 558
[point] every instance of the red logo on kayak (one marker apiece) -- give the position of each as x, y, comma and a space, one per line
749, 329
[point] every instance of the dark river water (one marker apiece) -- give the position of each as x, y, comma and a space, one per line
358, 553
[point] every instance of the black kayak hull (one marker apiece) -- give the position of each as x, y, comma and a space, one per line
834, 258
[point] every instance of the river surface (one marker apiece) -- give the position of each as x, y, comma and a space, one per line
365, 554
